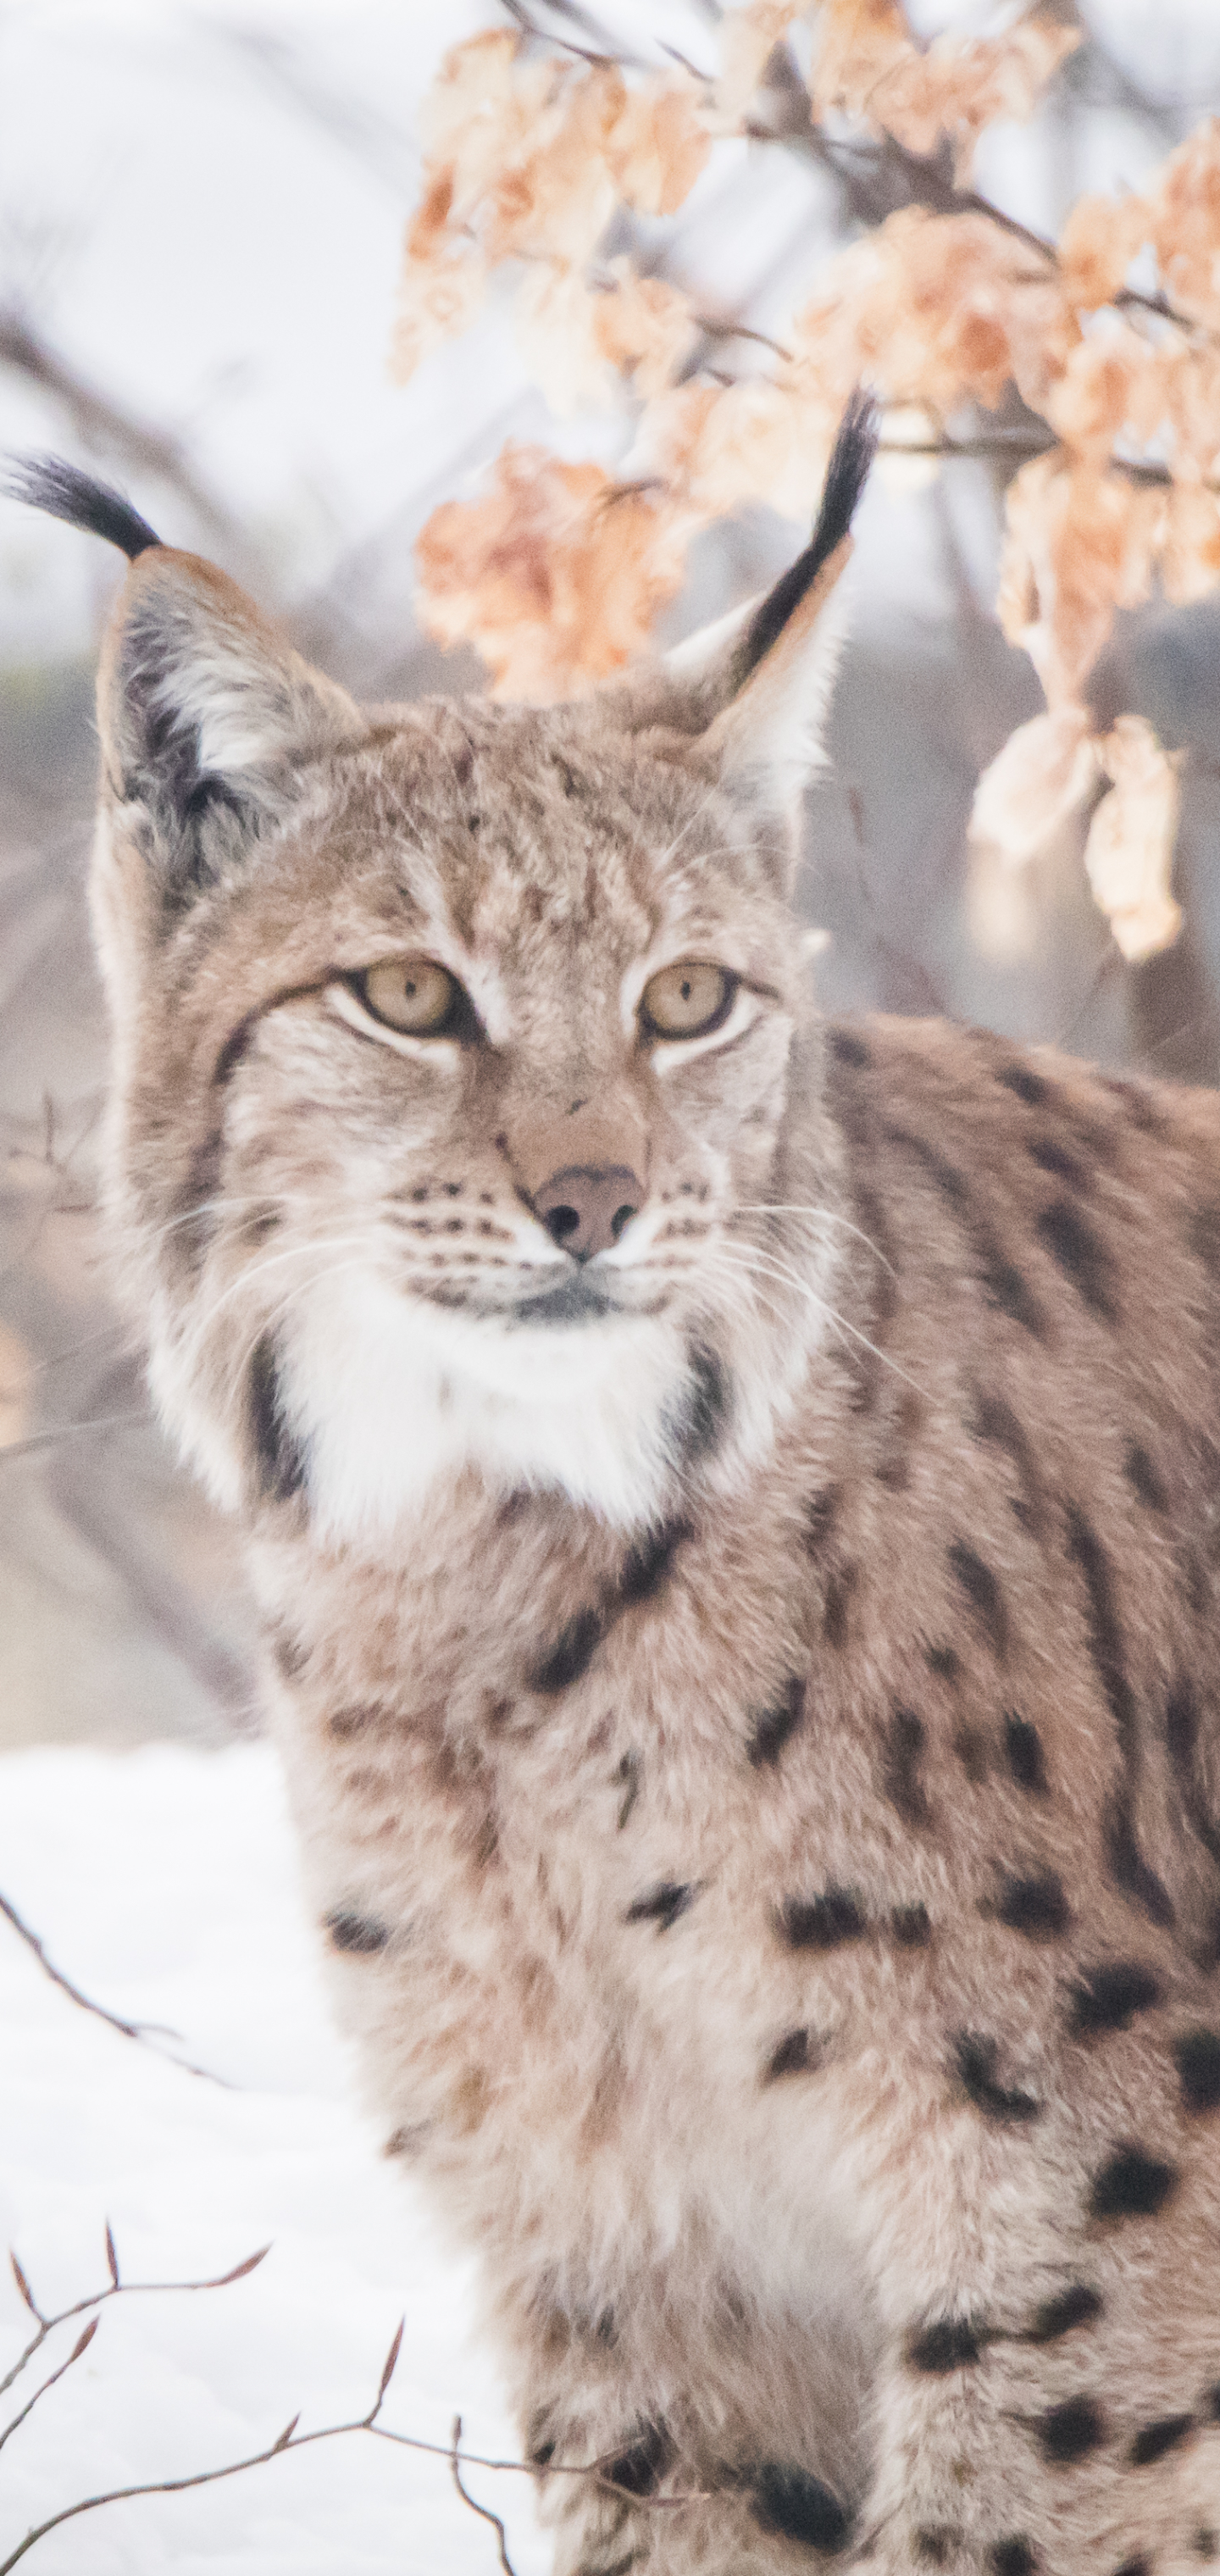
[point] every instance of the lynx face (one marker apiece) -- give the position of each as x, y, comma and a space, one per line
456, 1044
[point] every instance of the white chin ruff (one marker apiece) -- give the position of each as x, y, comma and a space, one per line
390, 1397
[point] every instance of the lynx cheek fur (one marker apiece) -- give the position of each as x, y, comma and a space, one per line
736, 1508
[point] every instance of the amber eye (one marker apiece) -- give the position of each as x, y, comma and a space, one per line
412, 994
686, 1001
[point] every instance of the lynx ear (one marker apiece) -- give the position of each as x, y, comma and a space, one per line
753, 691
207, 715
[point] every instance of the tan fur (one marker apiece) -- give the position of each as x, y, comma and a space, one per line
727, 1759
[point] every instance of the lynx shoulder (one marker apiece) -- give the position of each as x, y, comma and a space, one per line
736, 1509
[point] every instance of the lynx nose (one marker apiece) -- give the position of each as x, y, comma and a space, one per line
584, 1211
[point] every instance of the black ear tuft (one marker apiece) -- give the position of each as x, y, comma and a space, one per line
846, 475
48, 483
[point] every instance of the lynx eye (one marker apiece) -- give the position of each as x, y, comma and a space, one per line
687, 1000
412, 994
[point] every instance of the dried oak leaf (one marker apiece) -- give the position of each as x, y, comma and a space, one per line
1192, 395
1114, 382
859, 42
957, 88
555, 574
1042, 777
748, 38
644, 327
932, 308
1079, 543
1100, 239
1184, 222
1190, 559
1129, 851
715, 447
657, 146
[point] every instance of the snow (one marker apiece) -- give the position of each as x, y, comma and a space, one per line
164, 1883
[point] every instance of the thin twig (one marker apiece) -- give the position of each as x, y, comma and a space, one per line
116, 2288
147, 2032
81, 2345
484, 2511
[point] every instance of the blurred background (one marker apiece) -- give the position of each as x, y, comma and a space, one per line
201, 217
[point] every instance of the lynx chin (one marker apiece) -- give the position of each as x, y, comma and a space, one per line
735, 1506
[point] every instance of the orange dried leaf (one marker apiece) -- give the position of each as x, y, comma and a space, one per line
1190, 563
956, 89
1129, 852
1114, 381
1079, 543
657, 146
1035, 785
554, 574
644, 328
1184, 208
748, 38
858, 43
1100, 239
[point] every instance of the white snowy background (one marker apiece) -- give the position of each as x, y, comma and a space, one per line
201, 208
164, 1881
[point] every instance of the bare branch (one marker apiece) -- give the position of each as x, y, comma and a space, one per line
484, 2511
81, 2345
147, 2032
118, 2289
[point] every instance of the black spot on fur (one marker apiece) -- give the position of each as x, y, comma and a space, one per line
662, 1905
1023, 1746
901, 1771
1035, 1906
279, 1454
1051, 1156
1152, 2442
839, 1590
638, 2470
1027, 1085
1002, 1281
983, 1593
1206, 2543
995, 1422
1197, 2054
1127, 1865
1128, 1868
970, 1746
911, 1926
977, 2058
1143, 1479
645, 1569
705, 1406
1078, 2306
822, 1922
1205, 1238
236, 1048
572, 1655
1070, 2431
356, 1933
771, 1731
796, 2055
1015, 2557
821, 1512
943, 1661
627, 1778
949, 2343
1138, 2566
846, 475
291, 1657
1182, 1740
797, 2506
934, 2543
1131, 2185
848, 1048
1107, 1998
1081, 1255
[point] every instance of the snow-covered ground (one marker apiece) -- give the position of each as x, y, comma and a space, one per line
164, 1883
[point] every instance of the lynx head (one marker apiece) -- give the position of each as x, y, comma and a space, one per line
457, 1048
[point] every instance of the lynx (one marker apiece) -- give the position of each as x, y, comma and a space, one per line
735, 1505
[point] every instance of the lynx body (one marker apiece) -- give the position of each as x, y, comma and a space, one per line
736, 1510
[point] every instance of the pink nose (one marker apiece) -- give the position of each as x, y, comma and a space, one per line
584, 1211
